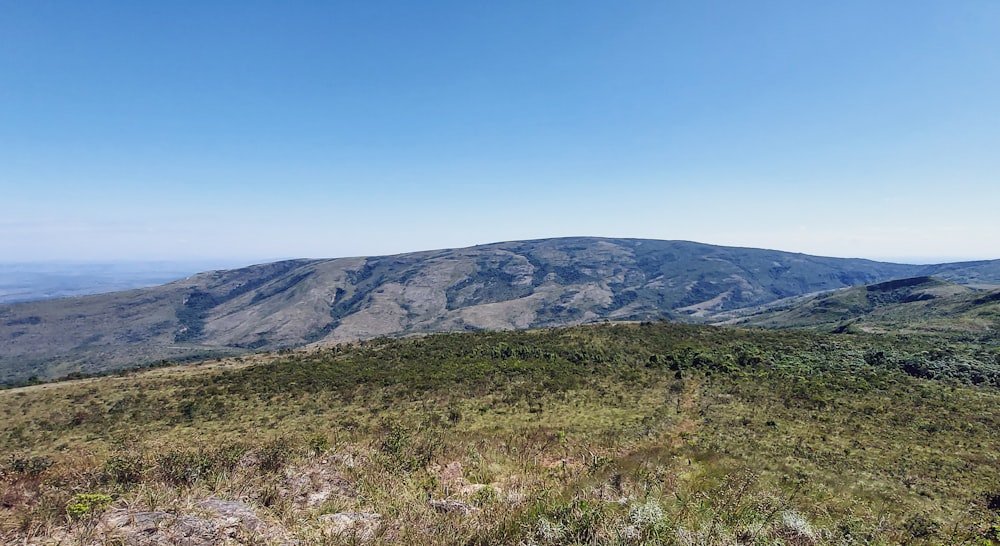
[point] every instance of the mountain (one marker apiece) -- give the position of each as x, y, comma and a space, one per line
513, 285
914, 305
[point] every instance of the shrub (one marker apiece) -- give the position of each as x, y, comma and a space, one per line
87, 505
124, 467
796, 527
318, 444
228, 456
275, 455
183, 467
549, 531
921, 526
30, 467
485, 496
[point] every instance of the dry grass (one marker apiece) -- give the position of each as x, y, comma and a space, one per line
567, 436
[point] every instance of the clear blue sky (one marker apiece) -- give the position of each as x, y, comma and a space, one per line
258, 130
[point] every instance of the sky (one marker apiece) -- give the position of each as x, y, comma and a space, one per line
250, 130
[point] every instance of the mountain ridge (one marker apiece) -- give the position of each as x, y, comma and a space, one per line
508, 285
912, 305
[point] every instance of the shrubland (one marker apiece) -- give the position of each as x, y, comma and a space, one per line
649, 433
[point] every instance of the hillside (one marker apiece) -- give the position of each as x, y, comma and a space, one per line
915, 305
652, 433
516, 285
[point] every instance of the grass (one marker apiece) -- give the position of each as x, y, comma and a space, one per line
610, 434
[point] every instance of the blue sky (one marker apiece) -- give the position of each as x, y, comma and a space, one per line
260, 130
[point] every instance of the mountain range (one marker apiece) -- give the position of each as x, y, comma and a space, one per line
512, 285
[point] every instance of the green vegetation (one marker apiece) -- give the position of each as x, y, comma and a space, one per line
649, 433
922, 305
87, 505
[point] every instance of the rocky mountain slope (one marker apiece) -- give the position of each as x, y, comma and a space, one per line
920, 304
514, 285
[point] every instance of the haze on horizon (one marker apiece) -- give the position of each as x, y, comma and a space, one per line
247, 131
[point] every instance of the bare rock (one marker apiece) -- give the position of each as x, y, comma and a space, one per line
360, 525
312, 485
452, 472
234, 513
223, 522
160, 529
146, 522
194, 530
452, 506
471, 489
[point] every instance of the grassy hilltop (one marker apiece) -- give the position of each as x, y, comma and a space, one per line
648, 433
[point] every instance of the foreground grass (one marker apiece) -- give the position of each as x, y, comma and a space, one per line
612, 434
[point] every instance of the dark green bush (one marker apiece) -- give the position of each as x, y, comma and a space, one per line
124, 467
24, 465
